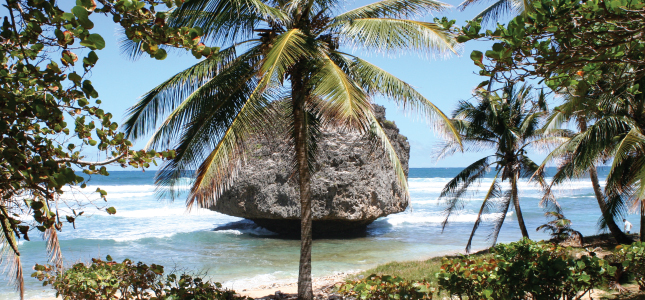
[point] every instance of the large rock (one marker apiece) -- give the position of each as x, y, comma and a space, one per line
354, 183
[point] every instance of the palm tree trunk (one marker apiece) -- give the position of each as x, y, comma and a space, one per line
516, 203
305, 290
618, 234
642, 232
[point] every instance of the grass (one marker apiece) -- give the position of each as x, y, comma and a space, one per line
414, 270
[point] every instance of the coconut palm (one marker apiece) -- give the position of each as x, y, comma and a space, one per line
616, 133
282, 72
509, 125
582, 110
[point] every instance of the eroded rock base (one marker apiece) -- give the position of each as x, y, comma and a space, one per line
320, 228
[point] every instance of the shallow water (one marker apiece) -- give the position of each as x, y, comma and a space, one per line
239, 254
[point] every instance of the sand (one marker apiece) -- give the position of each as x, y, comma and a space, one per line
320, 286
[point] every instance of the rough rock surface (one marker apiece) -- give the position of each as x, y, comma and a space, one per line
354, 183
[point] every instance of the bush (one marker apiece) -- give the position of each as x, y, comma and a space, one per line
472, 277
194, 288
386, 287
521, 270
110, 280
633, 260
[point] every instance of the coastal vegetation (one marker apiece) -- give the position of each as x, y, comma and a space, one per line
107, 279
282, 74
600, 66
509, 125
519, 270
43, 85
537, 270
583, 111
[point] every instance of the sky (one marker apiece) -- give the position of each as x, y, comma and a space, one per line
444, 81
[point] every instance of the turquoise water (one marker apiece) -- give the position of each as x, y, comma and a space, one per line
240, 254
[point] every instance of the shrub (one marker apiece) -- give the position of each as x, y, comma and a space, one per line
110, 280
469, 276
633, 260
521, 270
187, 287
386, 287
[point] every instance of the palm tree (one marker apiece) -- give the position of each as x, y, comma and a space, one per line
582, 110
616, 133
509, 125
282, 64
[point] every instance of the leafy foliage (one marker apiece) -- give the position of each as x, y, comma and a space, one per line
590, 50
50, 115
559, 227
509, 125
386, 287
521, 269
566, 43
128, 281
633, 260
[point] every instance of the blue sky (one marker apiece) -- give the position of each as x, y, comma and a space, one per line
120, 82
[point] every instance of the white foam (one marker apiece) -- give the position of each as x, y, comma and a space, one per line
256, 281
410, 218
163, 212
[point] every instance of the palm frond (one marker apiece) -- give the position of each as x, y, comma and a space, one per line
226, 21
198, 135
230, 83
507, 199
493, 12
638, 181
457, 186
392, 9
346, 103
53, 247
396, 35
555, 120
494, 191
375, 80
143, 117
9, 253
218, 170
377, 132
633, 142
598, 138
287, 49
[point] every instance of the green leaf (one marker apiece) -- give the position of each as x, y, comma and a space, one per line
477, 56
94, 41
75, 78
111, 210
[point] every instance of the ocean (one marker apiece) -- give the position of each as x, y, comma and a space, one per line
239, 254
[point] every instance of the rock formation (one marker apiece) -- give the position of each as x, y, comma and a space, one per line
354, 183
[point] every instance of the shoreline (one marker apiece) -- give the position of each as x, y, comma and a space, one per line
321, 284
